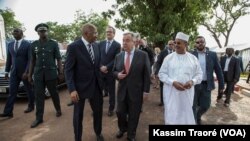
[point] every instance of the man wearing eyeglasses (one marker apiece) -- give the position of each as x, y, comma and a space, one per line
209, 64
109, 48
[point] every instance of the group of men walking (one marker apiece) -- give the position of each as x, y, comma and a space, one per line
93, 67
180, 68
34, 64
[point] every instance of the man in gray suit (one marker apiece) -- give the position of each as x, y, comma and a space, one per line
132, 69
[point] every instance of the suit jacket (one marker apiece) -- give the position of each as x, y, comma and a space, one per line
241, 63
150, 53
138, 79
80, 72
160, 59
233, 73
18, 62
107, 59
212, 64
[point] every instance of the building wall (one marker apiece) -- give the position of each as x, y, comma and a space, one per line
2, 40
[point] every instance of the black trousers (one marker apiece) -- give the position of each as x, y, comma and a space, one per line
13, 90
228, 91
128, 114
202, 100
109, 82
161, 92
40, 86
96, 103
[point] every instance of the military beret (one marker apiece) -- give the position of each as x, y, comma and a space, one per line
41, 26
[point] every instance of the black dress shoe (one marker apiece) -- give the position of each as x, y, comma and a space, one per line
119, 134
36, 123
131, 139
161, 104
6, 115
99, 138
58, 113
110, 113
29, 109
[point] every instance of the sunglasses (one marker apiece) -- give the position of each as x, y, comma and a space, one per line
199, 42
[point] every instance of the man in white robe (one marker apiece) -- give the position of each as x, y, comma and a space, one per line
179, 72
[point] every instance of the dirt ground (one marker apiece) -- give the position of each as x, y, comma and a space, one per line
61, 129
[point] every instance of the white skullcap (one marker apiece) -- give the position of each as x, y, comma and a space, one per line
182, 36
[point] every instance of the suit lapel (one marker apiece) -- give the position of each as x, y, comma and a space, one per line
196, 54
134, 60
84, 50
96, 52
207, 60
121, 63
231, 62
21, 45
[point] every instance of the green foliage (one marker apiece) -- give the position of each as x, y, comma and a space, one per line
59, 32
221, 19
9, 22
67, 33
159, 20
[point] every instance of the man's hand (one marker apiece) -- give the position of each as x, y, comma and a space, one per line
6, 76
74, 96
121, 75
188, 84
178, 86
25, 76
104, 69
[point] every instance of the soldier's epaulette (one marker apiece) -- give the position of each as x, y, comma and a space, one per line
53, 40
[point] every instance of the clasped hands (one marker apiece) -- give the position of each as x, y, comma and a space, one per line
182, 87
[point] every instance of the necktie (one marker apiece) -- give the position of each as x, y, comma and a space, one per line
16, 46
107, 47
90, 53
127, 63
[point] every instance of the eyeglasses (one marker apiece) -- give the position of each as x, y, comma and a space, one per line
199, 42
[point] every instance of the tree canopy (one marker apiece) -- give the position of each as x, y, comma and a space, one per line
67, 33
10, 22
221, 19
159, 20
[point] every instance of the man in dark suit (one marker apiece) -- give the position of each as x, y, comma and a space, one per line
169, 49
144, 47
132, 70
46, 64
18, 64
109, 49
209, 64
231, 70
237, 52
83, 77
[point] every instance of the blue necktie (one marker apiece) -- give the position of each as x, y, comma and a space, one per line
107, 47
16, 46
